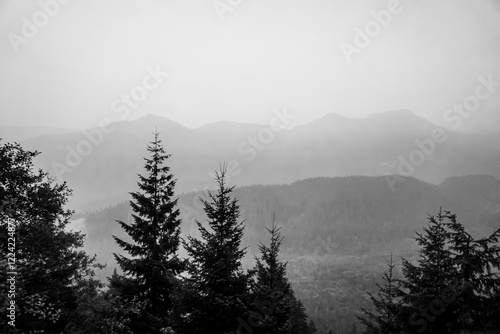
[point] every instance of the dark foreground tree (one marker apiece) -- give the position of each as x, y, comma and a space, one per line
49, 275
477, 281
429, 280
453, 287
386, 318
216, 285
275, 309
151, 271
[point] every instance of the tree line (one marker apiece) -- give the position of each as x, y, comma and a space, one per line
453, 286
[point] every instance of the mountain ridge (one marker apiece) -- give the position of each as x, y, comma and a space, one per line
101, 164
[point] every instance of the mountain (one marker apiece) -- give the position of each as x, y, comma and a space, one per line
105, 169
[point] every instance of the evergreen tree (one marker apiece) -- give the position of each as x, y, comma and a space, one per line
386, 318
272, 293
53, 273
298, 317
426, 283
216, 285
477, 281
150, 274
454, 285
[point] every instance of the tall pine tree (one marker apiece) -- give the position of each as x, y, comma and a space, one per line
152, 270
216, 283
426, 283
386, 318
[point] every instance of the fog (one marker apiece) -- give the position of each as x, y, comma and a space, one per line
239, 62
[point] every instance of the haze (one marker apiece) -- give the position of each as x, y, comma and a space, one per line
263, 55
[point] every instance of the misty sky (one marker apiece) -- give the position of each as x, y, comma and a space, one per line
263, 55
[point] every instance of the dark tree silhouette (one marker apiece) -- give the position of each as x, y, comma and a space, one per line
53, 274
453, 287
385, 319
150, 273
272, 293
216, 285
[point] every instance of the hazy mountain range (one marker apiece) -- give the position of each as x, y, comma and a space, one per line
105, 169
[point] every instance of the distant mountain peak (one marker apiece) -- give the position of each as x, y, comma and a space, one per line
150, 116
152, 119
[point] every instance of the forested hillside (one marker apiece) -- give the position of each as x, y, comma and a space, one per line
338, 232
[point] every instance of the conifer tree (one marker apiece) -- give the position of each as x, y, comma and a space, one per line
272, 293
477, 282
455, 283
298, 317
150, 273
216, 285
387, 307
429, 281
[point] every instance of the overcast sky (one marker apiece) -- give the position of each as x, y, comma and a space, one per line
263, 55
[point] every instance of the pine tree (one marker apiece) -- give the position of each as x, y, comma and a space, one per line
273, 296
426, 283
216, 285
454, 286
386, 318
152, 270
271, 288
298, 317
53, 273
477, 282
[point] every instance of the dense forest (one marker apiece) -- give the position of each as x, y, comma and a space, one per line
198, 263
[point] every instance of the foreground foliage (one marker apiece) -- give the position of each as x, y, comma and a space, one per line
453, 287
54, 277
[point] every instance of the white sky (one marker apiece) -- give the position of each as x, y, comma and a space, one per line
264, 55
